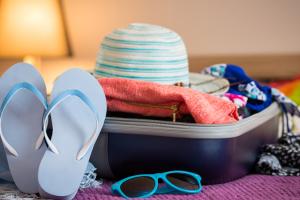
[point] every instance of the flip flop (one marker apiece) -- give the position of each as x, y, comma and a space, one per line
77, 109
23, 103
4, 169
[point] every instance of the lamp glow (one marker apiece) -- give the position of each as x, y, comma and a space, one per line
32, 29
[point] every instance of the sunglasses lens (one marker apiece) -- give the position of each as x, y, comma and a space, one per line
183, 181
138, 186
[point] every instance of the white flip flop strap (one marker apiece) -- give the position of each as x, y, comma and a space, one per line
16, 88
58, 100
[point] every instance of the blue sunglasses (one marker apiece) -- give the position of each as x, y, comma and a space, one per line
145, 185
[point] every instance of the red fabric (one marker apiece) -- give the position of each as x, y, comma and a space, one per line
204, 108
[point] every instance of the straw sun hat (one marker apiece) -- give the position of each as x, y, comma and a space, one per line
151, 53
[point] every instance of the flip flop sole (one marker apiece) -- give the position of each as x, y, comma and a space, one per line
22, 124
73, 124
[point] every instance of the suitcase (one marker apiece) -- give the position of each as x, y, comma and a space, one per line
219, 153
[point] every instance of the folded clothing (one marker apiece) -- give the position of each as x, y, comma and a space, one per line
152, 99
281, 159
259, 96
240, 102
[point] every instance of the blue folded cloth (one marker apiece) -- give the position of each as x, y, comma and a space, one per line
259, 96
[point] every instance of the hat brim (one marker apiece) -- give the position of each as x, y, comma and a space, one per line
203, 83
208, 84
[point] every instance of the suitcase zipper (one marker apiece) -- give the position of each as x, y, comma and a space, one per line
173, 108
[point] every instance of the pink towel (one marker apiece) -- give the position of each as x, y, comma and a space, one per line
152, 99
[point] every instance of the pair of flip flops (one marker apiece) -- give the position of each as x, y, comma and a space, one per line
54, 166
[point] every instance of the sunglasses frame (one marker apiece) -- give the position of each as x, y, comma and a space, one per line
116, 187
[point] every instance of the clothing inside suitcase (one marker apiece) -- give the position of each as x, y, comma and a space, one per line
219, 153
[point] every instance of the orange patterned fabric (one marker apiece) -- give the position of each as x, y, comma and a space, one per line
290, 89
152, 99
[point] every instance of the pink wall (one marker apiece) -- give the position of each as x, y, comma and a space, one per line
208, 27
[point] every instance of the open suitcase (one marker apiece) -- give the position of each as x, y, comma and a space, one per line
219, 153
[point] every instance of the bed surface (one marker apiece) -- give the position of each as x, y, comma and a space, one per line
257, 187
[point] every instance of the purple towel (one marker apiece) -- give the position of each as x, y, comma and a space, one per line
258, 187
